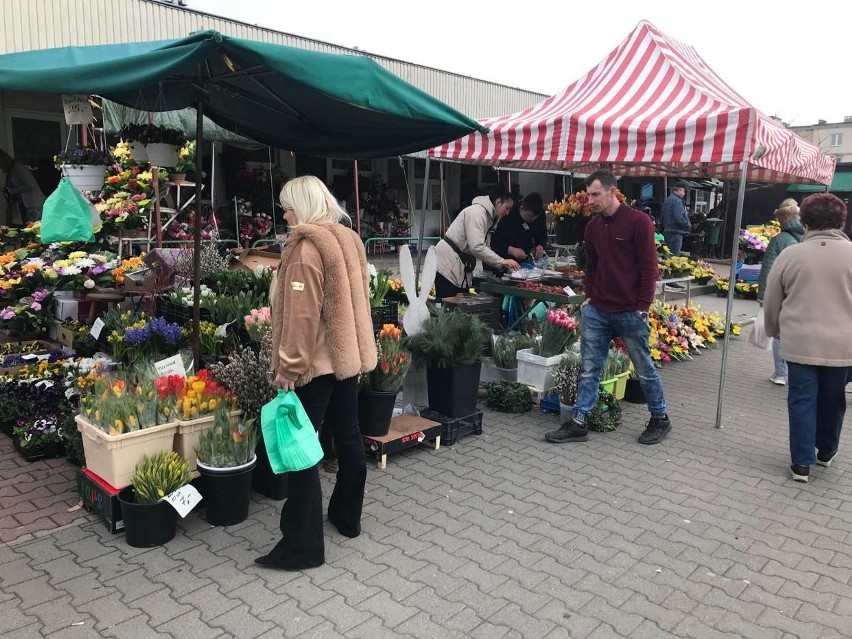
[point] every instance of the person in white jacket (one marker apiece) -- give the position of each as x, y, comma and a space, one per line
467, 240
21, 186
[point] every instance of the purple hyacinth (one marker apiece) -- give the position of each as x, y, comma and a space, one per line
137, 336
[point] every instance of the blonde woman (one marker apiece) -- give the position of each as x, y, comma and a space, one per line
322, 338
791, 233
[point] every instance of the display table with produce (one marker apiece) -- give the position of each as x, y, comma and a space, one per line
547, 290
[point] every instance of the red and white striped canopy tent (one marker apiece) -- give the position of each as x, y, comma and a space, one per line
651, 107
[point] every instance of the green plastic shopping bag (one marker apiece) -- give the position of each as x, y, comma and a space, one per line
291, 441
66, 216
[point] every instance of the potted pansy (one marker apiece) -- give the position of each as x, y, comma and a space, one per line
133, 135
84, 167
40, 438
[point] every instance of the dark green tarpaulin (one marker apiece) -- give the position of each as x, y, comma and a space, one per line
304, 101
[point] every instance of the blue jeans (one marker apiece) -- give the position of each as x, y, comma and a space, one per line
780, 364
816, 404
597, 329
674, 241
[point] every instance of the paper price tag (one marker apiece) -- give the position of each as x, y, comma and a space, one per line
170, 366
45, 383
77, 109
29, 356
97, 327
569, 291
183, 500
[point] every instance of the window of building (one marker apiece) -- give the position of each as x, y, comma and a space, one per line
836, 139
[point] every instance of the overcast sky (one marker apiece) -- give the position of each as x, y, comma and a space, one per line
793, 64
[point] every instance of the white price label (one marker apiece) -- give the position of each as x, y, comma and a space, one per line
29, 356
45, 383
183, 500
569, 291
97, 327
170, 366
77, 108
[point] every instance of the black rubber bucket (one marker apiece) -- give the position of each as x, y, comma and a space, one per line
375, 411
453, 391
227, 493
146, 525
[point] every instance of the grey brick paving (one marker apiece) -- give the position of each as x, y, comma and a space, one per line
501, 535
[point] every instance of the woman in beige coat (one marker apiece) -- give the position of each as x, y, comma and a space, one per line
322, 339
808, 303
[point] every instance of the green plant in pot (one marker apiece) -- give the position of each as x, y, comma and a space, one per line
451, 344
226, 459
504, 355
380, 386
508, 397
148, 521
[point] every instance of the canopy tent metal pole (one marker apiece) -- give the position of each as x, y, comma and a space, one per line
272, 194
212, 185
732, 280
357, 199
426, 191
196, 239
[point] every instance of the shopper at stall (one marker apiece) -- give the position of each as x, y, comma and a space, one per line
675, 219
522, 234
21, 190
322, 340
621, 279
466, 241
808, 297
791, 233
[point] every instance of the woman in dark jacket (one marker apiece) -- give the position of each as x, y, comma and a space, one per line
791, 233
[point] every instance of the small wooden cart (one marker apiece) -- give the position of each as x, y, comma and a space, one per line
405, 431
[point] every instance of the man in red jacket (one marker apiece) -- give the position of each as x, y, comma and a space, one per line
621, 279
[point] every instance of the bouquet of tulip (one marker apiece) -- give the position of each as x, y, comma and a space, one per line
559, 332
393, 362
201, 396
380, 284
117, 405
258, 322
559, 209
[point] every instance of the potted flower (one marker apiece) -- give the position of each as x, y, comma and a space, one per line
149, 521
451, 344
246, 374
508, 397
380, 386
503, 364
380, 285
85, 167
702, 272
566, 377
134, 135
162, 145
615, 369
32, 315
40, 438
185, 163
226, 459
535, 365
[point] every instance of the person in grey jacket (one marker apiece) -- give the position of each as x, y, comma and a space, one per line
675, 219
791, 233
809, 302
467, 240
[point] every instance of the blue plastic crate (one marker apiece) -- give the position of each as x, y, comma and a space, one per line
549, 403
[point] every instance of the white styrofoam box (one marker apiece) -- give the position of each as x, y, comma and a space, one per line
63, 295
535, 370
66, 308
53, 330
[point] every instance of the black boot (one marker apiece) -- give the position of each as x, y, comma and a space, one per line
572, 431
656, 430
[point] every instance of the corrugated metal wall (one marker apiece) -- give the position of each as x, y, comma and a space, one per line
42, 24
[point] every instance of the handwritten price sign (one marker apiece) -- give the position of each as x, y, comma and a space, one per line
77, 109
183, 500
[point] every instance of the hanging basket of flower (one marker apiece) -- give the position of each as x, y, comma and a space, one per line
84, 167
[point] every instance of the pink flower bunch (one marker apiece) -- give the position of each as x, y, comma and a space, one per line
258, 322
558, 333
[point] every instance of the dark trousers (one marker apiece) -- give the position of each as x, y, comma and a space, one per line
330, 404
445, 288
816, 403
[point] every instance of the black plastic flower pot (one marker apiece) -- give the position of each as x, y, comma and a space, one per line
264, 480
375, 411
633, 393
566, 231
146, 525
453, 391
226, 492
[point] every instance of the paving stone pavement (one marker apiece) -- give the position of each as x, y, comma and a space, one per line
501, 535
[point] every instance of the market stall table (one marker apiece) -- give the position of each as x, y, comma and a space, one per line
502, 287
673, 280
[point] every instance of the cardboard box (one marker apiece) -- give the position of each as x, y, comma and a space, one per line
158, 274
66, 337
249, 259
100, 498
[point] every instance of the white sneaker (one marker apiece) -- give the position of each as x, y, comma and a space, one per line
777, 379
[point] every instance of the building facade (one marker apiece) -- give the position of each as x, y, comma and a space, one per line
832, 138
